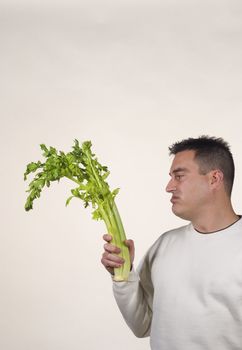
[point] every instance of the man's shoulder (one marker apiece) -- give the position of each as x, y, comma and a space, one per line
178, 231
167, 236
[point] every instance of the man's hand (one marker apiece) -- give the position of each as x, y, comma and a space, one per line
110, 258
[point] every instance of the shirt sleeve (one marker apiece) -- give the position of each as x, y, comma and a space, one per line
134, 298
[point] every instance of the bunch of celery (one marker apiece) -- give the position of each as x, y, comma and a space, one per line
82, 167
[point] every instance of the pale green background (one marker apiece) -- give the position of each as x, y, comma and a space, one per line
133, 77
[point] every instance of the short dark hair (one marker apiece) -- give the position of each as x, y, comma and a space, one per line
211, 153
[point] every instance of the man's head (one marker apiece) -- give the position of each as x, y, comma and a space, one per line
210, 154
202, 168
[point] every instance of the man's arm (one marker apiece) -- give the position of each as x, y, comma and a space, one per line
134, 297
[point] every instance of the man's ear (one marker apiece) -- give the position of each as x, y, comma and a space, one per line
216, 177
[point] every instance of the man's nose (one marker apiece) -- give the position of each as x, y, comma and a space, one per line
170, 186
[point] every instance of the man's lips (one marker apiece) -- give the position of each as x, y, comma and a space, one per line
174, 199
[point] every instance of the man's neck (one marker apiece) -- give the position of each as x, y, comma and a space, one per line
215, 220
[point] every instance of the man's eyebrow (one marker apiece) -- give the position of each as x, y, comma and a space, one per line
178, 170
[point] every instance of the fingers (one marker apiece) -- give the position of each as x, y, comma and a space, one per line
109, 258
111, 261
107, 237
110, 248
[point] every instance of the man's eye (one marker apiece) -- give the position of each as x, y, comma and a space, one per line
178, 177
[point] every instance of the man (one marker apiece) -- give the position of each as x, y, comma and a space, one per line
187, 291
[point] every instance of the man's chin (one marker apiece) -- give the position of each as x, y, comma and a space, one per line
181, 214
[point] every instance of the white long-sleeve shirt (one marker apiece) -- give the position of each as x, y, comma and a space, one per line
187, 291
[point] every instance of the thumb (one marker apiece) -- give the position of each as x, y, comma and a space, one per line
130, 244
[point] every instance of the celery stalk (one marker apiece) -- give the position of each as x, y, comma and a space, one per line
115, 228
82, 167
